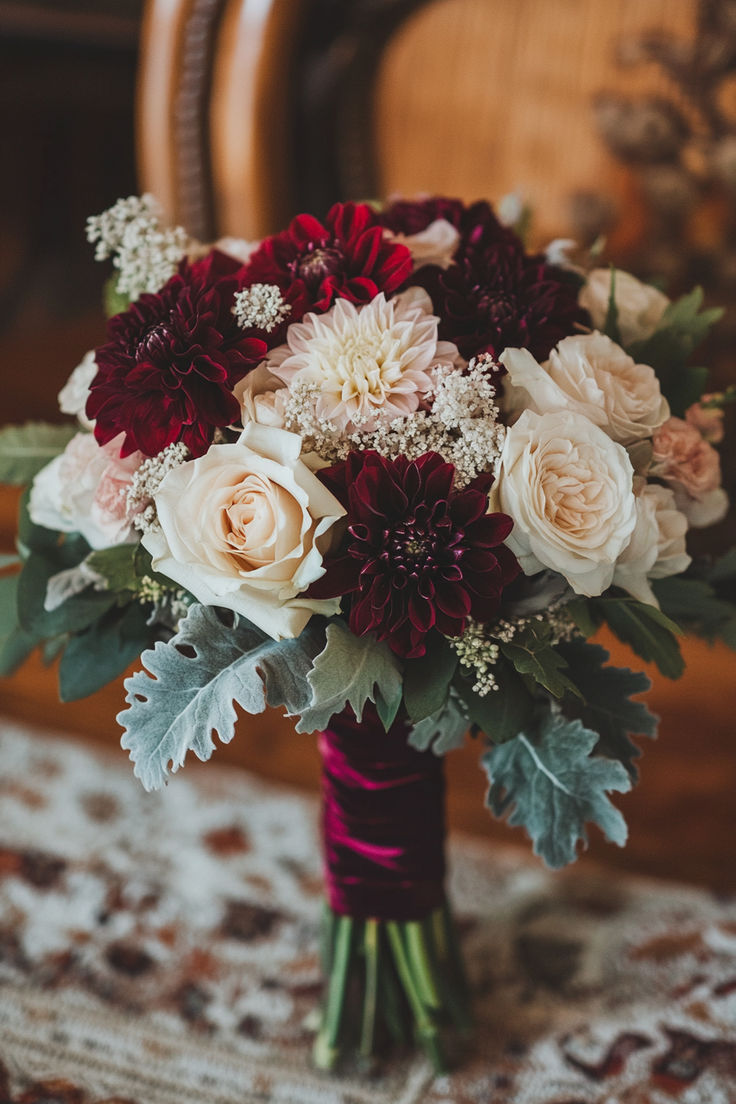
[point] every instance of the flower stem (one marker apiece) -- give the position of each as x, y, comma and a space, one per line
390, 980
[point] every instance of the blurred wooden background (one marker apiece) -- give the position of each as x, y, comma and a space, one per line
248, 111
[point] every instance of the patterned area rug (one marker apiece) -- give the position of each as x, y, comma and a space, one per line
162, 949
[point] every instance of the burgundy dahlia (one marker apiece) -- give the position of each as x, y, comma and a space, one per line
411, 216
170, 363
346, 256
419, 556
495, 296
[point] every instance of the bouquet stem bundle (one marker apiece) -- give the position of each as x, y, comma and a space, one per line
390, 950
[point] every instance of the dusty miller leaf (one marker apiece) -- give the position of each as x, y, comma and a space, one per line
553, 786
350, 671
193, 680
608, 708
25, 449
442, 731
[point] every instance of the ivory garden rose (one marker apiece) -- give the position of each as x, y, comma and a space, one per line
568, 487
640, 306
591, 374
245, 527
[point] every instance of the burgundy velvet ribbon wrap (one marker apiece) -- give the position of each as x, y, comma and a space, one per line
383, 820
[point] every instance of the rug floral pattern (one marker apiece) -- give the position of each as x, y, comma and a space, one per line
162, 949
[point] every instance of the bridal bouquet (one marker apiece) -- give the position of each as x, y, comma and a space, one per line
388, 472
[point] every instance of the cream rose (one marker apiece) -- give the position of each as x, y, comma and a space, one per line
592, 375
640, 306
262, 397
657, 545
435, 245
85, 491
245, 527
569, 489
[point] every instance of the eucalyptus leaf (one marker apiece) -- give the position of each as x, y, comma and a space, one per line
15, 643
101, 653
117, 565
351, 670
186, 693
427, 680
607, 707
76, 613
26, 449
444, 730
501, 713
553, 786
8, 560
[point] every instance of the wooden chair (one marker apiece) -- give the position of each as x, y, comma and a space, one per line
252, 109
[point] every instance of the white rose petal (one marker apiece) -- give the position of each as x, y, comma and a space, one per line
593, 375
75, 392
262, 397
640, 306
84, 491
245, 527
657, 545
711, 508
569, 489
435, 245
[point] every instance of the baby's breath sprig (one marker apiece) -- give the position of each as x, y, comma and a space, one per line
146, 482
145, 252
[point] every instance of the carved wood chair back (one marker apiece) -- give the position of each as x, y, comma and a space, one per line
252, 109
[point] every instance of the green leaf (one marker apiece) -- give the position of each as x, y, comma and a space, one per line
647, 630
78, 612
610, 326
117, 565
351, 670
695, 604
682, 328
101, 653
501, 713
584, 616
8, 560
25, 449
553, 786
444, 730
533, 655
608, 708
186, 693
15, 643
427, 680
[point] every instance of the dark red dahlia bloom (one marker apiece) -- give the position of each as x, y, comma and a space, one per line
419, 557
495, 296
346, 256
170, 363
411, 216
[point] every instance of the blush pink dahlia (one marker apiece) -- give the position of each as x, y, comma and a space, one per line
371, 363
419, 556
346, 256
171, 361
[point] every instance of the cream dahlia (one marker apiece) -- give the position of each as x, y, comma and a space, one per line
372, 362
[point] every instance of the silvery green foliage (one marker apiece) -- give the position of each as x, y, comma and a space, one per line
553, 786
443, 730
350, 671
25, 449
187, 691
